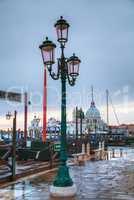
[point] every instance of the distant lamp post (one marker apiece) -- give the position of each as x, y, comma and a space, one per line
67, 69
8, 115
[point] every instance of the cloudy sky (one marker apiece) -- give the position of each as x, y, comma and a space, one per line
101, 34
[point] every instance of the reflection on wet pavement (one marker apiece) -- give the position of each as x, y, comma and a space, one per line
100, 180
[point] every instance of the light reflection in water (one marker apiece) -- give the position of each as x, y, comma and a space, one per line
70, 198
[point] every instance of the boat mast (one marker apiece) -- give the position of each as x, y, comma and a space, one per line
92, 93
107, 100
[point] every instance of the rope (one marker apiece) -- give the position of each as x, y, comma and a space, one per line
114, 110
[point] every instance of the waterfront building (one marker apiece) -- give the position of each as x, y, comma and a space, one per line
129, 128
35, 129
94, 122
53, 128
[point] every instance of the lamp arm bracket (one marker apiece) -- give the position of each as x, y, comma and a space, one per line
54, 75
71, 80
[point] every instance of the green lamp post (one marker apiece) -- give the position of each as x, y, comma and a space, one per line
67, 70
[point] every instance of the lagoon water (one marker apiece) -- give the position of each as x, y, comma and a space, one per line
111, 179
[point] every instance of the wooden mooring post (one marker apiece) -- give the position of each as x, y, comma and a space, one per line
14, 148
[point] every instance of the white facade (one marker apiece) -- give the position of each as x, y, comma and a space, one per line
93, 119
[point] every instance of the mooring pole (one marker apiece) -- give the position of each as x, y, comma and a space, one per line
25, 117
76, 129
107, 100
14, 148
81, 119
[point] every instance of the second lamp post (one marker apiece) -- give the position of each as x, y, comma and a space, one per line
67, 69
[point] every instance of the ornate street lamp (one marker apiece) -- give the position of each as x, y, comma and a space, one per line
62, 30
47, 51
67, 69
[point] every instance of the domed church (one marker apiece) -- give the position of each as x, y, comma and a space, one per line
94, 123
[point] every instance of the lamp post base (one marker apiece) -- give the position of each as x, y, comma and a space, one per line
68, 191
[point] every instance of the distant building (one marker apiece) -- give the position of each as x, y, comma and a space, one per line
93, 118
129, 127
117, 133
92, 121
53, 126
35, 129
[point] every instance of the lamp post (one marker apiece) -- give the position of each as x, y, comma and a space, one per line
67, 70
8, 115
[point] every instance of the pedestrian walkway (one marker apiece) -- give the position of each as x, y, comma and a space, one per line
24, 168
99, 180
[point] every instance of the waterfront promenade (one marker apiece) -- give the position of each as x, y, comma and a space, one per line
99, 180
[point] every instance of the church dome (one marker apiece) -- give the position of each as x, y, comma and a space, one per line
93, 112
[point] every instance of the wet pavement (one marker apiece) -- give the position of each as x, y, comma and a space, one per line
99, 180
24, 168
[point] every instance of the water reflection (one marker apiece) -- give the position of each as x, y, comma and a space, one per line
68, 198
100, 180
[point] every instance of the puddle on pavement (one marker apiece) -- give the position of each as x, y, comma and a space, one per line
47, 178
